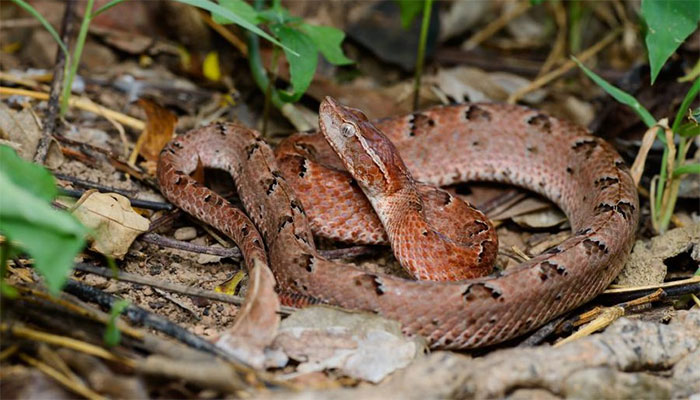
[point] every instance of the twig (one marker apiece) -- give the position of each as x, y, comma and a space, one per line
496, 25
138, 315
59, 69
675, 288
81, 103
75, 306
76, 387
154, 238
492, 204
178, 303
169, 286
147, 204
63, 341
606, 317
541, 334
92, 185
559, 47
543, 80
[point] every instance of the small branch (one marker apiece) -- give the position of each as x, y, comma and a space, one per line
92, 185
59, 69
81, 103
159, 240
496, 25
545, 79
140, 316
149, 205
169, 286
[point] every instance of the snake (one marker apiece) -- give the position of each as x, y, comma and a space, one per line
307, 186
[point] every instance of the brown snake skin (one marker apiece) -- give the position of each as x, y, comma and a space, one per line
582, 174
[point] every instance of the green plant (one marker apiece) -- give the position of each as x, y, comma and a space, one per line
30, 224
409, 10
301, 43
88, 15
669, 23
112, 335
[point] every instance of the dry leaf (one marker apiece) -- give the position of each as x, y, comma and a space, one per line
113, 222
257, 321
160, 128
547, 218
360, 345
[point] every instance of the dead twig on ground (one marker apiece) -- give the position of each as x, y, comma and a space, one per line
547, 78
59, 69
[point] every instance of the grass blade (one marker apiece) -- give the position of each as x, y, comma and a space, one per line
685, 105
619, 95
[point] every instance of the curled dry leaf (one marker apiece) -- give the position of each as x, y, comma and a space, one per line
360, 345
257, 321
113, 222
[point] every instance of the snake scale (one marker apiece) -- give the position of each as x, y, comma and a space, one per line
515, 145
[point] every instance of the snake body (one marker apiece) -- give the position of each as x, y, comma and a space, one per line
582, 174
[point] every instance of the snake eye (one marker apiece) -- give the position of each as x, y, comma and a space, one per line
347, 130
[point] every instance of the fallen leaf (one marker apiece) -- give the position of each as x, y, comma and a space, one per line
360, 345
160, 128
113, 222
257, 321
20, 128
547, 218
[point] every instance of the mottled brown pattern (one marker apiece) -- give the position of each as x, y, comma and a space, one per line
481, 144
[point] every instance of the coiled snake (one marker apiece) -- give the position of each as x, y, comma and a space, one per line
582, 174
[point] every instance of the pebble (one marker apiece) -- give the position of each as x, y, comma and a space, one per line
185, 233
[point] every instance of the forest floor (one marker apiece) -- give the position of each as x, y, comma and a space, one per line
162, 68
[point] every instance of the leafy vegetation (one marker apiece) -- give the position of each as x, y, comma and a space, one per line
669, 23
30, 224
300, 41
234, 14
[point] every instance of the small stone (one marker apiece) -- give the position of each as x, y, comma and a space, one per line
185, 233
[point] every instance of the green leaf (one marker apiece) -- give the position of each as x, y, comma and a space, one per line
302, 63
690, 129
536, 2
222, 12
685, 106
409, 11
240, 8
328, 41
22, 4
33, 178
112, 335
619, 95
50, 236
669, 23
686, 169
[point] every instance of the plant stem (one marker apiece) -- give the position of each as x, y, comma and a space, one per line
420, 59
77, 53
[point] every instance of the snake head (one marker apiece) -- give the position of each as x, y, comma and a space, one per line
368, 155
